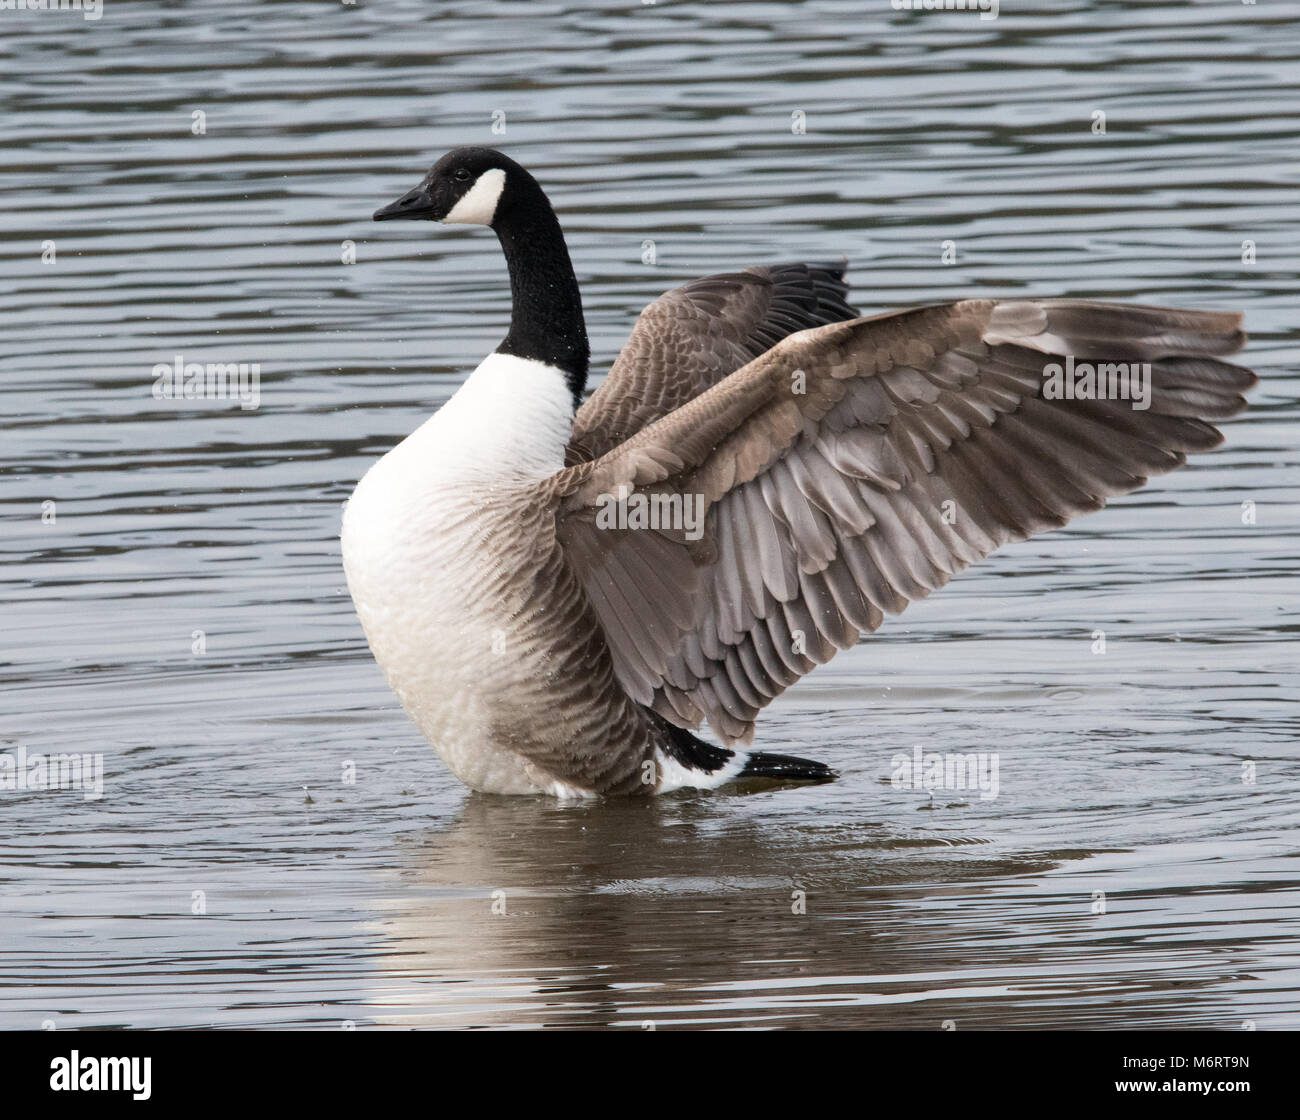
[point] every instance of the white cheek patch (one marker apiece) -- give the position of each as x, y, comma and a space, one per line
478, 206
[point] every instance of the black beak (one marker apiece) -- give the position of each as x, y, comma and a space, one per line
413, 204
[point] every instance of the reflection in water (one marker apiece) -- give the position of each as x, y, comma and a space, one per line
653, 914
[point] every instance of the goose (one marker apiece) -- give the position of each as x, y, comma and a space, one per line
843, 466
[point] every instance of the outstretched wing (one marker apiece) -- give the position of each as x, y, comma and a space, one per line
689, 339
856, 467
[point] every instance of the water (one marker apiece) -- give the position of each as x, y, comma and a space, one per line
373, 902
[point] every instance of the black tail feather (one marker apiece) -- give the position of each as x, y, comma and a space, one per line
786, 768
695, 754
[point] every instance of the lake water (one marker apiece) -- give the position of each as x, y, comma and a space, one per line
181, 609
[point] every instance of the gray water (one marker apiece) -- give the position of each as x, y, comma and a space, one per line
325, 902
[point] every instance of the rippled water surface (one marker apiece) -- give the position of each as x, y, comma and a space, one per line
1127, 773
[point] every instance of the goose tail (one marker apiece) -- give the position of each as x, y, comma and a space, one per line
686, 760
785, 768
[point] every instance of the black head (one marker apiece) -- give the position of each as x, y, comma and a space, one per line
470, 186
480, 186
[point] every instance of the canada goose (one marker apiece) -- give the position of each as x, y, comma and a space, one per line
846, 466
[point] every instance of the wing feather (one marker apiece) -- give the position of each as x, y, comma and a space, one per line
921, 441
689, 339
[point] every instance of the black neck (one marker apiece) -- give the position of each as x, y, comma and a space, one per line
546, 321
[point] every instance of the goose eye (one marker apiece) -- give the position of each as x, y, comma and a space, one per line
461, 174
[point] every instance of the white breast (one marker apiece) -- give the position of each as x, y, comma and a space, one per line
512, 418
432, 550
